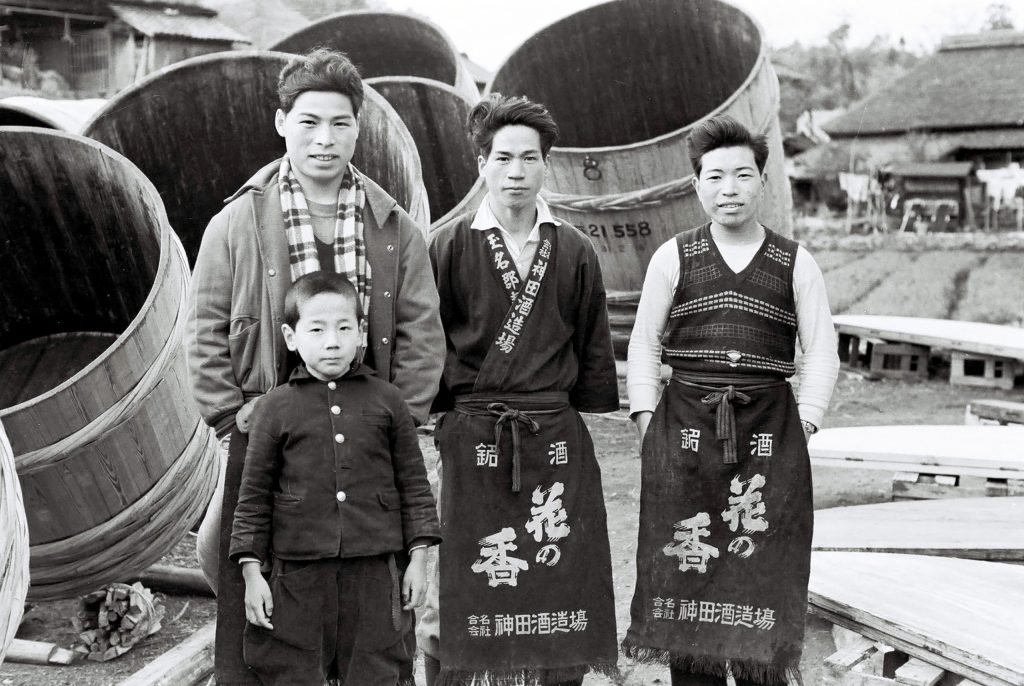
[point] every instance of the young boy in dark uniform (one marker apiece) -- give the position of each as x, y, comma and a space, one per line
334, 491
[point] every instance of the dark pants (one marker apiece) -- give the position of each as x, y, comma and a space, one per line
332, 619
681, 678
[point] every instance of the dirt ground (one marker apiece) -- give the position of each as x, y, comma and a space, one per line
856, 402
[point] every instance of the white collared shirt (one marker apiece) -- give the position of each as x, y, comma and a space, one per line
485, 220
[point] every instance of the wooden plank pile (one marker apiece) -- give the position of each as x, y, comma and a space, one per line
859, 661
112, 620
960, 616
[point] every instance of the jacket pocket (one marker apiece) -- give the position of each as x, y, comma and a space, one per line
298, 604
243, 347
390, 499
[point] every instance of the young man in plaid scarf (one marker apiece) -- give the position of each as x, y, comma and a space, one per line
311, 210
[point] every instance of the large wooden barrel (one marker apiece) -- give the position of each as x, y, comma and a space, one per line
626, 81
387, 44
200, 128
435, 114
114, 461
65, 115
13, 547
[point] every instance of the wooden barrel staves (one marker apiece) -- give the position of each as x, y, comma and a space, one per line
387, 44
114, 461
64, 115
200, 128
435, 114
13, 547
626, 81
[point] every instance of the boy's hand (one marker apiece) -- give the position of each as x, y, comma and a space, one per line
414, 584
242, 416
259, 604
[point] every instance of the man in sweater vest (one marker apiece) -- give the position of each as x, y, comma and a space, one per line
726, 515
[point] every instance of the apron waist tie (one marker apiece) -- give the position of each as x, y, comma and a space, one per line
513, 417
722, 397
725, 418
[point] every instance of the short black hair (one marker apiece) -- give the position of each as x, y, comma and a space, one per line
724, 132
315, 283
321, 69
497, 111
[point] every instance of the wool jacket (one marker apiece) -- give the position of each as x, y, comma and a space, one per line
333, 469
233, 336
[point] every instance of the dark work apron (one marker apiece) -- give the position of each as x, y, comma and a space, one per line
726, 519
526, 590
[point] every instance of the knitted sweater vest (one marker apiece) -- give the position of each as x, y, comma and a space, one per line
728, 323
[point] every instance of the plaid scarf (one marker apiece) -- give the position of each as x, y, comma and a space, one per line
349, 246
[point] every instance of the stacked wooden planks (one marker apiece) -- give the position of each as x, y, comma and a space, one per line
972, 528
962, 616
988, 451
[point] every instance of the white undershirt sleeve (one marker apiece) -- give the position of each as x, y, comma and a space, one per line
643, 364
819, 364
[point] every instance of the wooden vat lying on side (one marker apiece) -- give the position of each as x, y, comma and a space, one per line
65, 115
387, 44
13, 547
626, 81
435, 114
200, 128
114, 461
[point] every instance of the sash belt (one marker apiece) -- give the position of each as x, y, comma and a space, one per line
504, 408
722, 392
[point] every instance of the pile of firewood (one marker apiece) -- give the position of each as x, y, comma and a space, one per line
112, 620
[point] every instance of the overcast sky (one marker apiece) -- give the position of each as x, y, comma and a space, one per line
489, 30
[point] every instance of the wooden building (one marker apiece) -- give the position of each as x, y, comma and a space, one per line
100, 47
963, 104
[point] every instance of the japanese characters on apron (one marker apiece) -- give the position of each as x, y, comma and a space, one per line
726, 515
526, 589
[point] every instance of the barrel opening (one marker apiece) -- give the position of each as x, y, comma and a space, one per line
632, 70
435, 115
380, 44
14, 117
80, 255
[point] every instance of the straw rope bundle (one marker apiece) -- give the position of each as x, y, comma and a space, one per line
13, 547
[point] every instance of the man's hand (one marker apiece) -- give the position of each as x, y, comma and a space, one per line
414, 584
643, 420
242, 418
259, 604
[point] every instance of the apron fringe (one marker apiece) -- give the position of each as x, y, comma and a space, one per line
749, 670
522, 677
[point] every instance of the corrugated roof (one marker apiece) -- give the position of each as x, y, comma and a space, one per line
931, 170
155, 21
970, 83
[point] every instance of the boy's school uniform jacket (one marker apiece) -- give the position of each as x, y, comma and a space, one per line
333, 469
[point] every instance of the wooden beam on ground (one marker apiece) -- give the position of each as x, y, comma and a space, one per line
181, 580
186, 664
916, 673
1002, 411
38, 653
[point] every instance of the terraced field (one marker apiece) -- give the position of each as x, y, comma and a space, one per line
965, 285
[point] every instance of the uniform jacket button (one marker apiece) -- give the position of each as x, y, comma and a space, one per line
341, 496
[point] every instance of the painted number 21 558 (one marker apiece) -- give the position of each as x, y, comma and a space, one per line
640, 229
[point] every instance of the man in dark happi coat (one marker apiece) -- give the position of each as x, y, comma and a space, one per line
525, 571
726, 516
